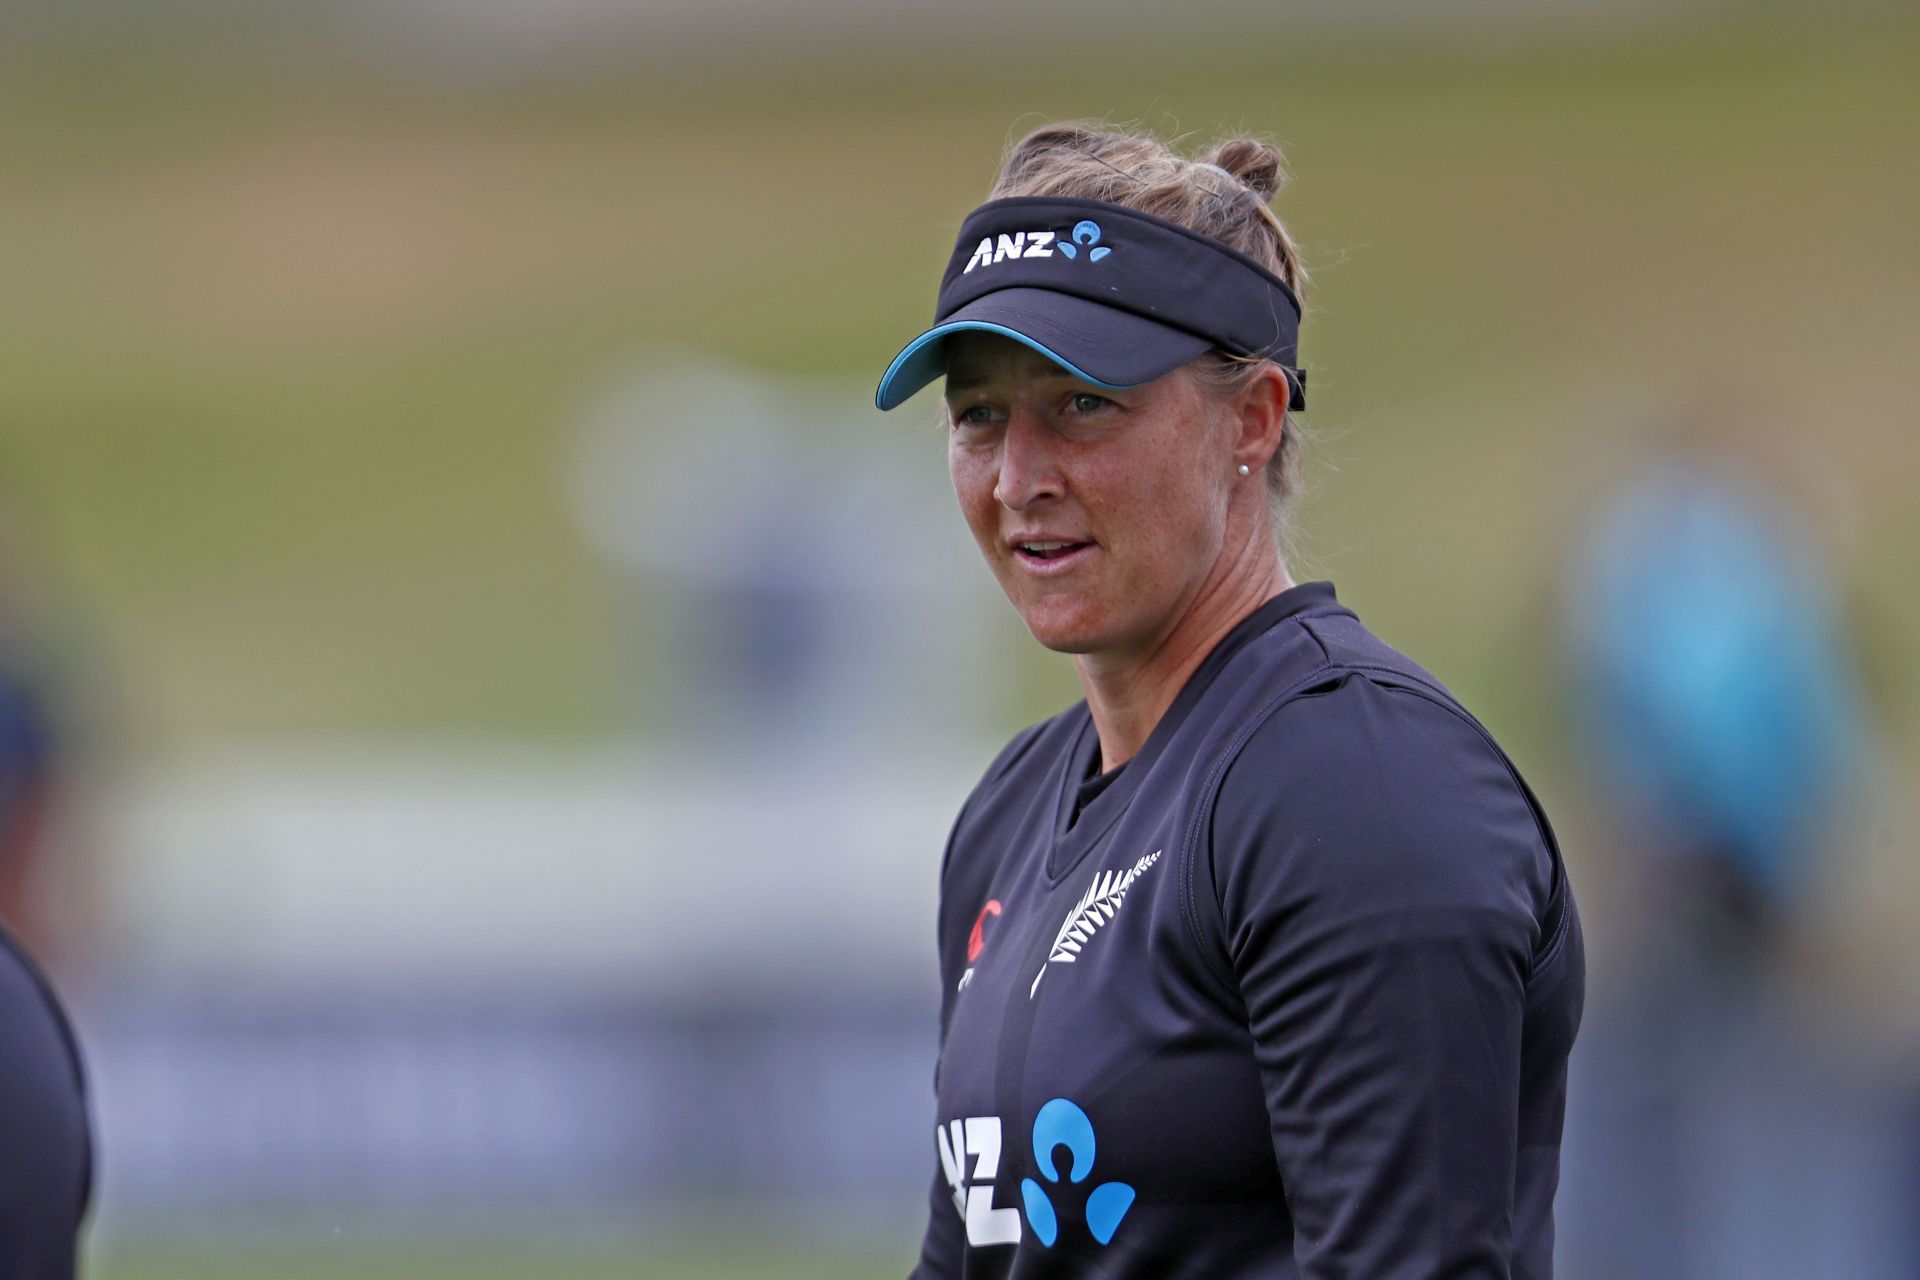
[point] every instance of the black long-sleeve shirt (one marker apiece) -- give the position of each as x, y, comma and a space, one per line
1290, 994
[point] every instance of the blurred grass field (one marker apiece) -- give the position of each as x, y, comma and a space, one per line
294, 338
740, 1256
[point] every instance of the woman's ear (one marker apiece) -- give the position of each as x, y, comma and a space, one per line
1261, 409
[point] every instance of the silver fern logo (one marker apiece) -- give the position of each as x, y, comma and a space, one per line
1102, 899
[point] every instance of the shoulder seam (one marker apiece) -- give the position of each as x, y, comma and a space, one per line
1203, 806
1554, 925
1018, 746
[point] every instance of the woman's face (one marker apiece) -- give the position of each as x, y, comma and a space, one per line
1102, 513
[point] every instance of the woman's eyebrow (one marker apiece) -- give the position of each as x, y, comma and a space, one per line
968, 379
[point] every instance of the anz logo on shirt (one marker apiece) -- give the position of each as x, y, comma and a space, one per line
1060, 1123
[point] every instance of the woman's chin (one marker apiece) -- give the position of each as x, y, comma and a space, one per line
1068, 630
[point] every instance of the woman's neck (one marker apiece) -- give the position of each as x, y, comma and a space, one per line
1127, 693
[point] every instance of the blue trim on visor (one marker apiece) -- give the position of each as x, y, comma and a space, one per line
926, 364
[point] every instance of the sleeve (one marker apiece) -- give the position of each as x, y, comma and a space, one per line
1381, 878
944, 1243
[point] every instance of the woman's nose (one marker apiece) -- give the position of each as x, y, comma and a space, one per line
1028, 472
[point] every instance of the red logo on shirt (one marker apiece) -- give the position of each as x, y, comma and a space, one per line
977, 940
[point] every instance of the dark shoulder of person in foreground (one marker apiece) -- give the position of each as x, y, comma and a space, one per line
46, 1148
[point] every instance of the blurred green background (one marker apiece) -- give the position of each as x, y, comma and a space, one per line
292, 329
299, 308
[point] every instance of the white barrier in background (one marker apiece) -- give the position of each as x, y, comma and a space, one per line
374, 981
668, 877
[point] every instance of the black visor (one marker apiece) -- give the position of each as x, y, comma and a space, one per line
1114, 296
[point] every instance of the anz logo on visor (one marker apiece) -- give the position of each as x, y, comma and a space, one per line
1087, 235
1040, 244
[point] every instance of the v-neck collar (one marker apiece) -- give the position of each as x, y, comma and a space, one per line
1073, 838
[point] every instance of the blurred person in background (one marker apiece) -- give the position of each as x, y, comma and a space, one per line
1725, 1135
26, 787
1261, 960
1712, 689
29, 756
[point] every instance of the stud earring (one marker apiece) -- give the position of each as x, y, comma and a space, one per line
1245, 469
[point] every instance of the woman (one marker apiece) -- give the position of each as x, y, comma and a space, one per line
1261, 960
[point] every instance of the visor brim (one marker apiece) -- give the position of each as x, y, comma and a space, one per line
1100, 345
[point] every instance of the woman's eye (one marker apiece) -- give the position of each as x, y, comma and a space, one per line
1087, 402
974, 414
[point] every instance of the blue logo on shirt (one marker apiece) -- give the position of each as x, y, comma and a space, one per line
1062, 1124
1086, 234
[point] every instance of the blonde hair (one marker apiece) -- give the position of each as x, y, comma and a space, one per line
1225, 194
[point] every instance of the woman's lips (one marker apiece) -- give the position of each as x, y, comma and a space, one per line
1049, 556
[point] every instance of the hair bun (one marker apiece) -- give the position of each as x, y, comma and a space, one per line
1258, 164
1094, 160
